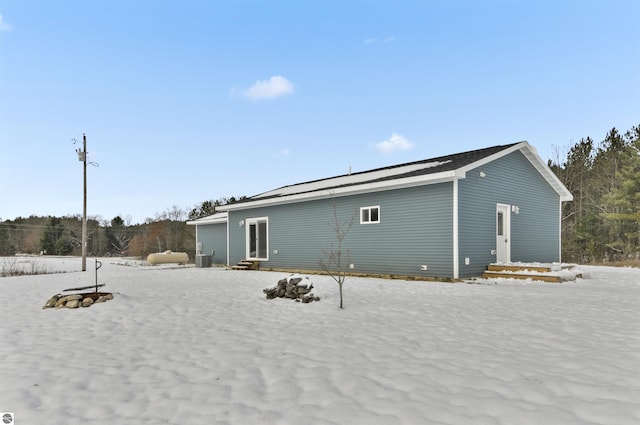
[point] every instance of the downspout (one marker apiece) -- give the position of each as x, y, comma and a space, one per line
456, 256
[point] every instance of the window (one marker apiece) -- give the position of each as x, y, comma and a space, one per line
369, 215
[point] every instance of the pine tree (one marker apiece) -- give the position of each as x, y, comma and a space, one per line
622, 204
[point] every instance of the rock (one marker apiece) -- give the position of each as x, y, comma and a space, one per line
77, 300
51, 302
293, 287
73, 303
67, 298
62, 301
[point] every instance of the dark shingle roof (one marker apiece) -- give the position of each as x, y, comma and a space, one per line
399, 171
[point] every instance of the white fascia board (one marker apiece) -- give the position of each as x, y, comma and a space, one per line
216, 218
493, 157
350, 190
532, 155
350, 179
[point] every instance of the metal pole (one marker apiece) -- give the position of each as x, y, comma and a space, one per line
98, 265
84, 205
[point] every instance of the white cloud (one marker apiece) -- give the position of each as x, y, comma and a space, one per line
4, 26
395, 143
268, 89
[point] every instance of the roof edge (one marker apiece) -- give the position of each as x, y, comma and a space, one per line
459, 173
538, 163
554, 181
215, 218
348, 190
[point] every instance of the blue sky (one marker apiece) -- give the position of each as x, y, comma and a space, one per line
185, 101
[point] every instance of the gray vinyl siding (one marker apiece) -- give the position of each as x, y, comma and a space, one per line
509, 180
214, 238
415, 229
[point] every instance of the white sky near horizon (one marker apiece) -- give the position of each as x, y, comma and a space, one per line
186, 101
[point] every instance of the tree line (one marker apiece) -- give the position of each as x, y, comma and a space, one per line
116, 237
63, 235
602, 224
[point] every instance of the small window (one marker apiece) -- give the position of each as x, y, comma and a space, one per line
369, 215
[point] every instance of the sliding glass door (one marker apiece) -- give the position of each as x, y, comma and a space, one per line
257, 239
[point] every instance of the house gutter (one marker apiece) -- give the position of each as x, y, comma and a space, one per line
442, 177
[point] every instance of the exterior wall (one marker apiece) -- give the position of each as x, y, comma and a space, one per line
213, 237
535, 231
415, 229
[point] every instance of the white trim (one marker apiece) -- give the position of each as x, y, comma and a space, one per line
349, 190
379, 174
376, 207
228, 245
352, 185
256, 221
506, 220
560, 233
216, 218
456, 254
532, 155
490, 158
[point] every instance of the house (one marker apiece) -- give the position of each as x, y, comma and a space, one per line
446, 217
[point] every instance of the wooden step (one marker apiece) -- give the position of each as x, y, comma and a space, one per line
522, 276
540, 272
247, 265
517, 268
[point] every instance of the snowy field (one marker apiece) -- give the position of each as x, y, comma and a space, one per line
185, 345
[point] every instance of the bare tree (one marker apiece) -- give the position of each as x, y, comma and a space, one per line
175, 226
336, 258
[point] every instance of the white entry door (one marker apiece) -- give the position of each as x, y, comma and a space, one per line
503, 233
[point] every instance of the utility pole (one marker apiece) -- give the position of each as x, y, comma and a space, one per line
82, 156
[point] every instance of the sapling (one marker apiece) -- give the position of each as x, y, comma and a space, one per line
336, 258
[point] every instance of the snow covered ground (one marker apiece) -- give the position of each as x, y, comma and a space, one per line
185, 345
